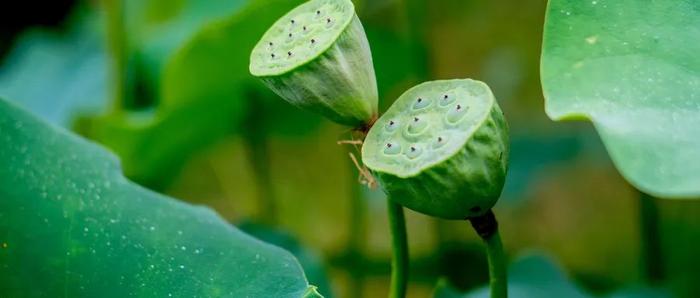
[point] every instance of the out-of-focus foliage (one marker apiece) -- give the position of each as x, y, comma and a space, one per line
195, 126
633, 69
196, 108
536, 275
72, 224
529, 276
58, 75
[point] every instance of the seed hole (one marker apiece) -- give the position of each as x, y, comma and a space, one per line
318, 12
289, 54
392, 148
304, 28
421, 103
415, 119
292, 21
272, 55
328, 20
270, 43
290, 35
313, 41
391, 126
414, 151
459, 107
446, 100
439, 142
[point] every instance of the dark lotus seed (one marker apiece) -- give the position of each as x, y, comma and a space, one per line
445, 97
328, 20
459, 107
313, 41
292, 21
391, 122
272, 55
388, 145
413, 149
420, 99
439, 139
415, 119
318, 12
289, 53
270, 43
290, 35
304, 28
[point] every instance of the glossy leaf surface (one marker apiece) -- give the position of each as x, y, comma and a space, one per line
72, 225
633, 69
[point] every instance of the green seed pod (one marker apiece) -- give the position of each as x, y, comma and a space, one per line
317, 57
441, 149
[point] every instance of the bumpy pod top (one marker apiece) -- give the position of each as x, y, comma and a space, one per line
317, 57
441, 149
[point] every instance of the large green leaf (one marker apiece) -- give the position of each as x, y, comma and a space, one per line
72, 225
633, 68
310, 261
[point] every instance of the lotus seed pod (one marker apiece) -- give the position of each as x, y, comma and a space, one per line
317, 57
441, 149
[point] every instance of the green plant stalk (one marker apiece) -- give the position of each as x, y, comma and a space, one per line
358, 235
256, 140
399, 246
487, 228
650, 238
116, 42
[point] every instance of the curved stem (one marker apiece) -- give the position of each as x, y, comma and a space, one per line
487, 228
399, 246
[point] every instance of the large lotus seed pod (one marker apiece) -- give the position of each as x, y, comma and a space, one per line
317, 57
441, 149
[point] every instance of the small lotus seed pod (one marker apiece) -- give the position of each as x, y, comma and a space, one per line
441, 149
317, 57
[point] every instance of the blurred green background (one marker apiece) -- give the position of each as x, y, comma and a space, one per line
164, 84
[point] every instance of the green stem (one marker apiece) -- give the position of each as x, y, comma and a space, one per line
487, 228
358, 235
399, 246
258, 151
652, 257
